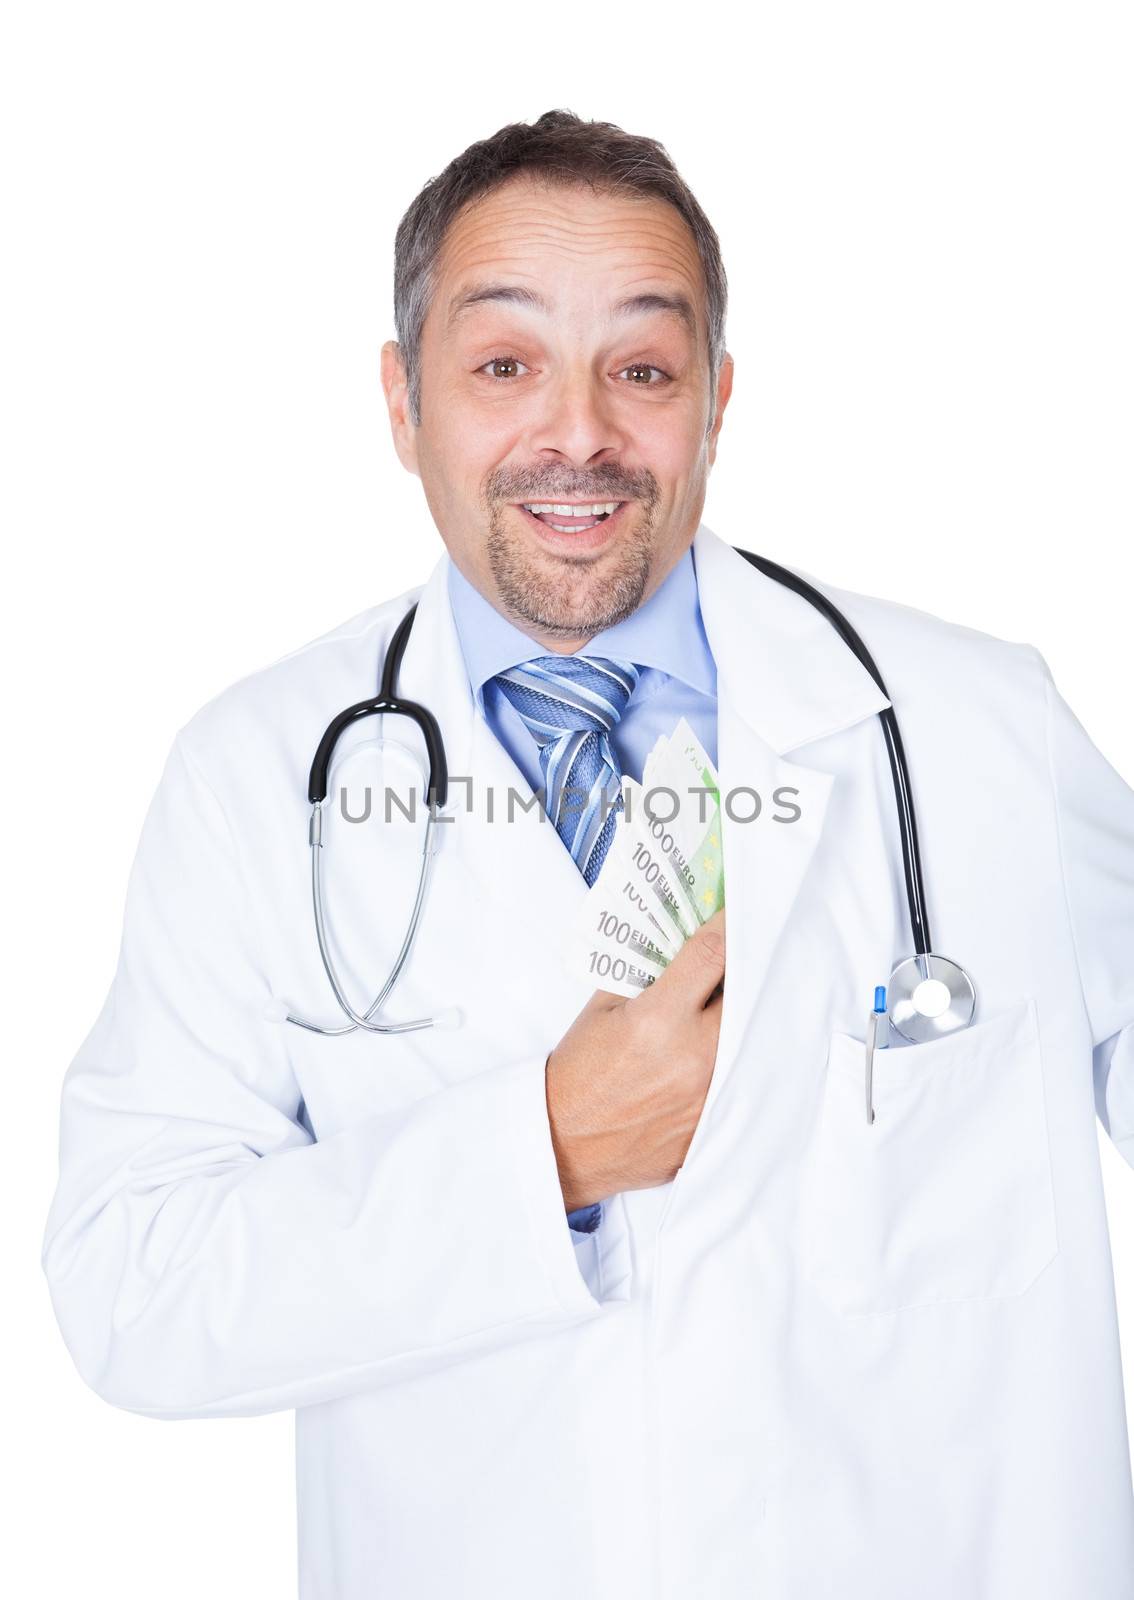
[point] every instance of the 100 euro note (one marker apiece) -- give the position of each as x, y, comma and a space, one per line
663, 875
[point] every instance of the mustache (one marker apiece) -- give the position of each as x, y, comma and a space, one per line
612, 483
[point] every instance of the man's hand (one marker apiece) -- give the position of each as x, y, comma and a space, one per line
626, 1083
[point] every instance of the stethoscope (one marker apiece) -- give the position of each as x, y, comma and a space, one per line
927, 996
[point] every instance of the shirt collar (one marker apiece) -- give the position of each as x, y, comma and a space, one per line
666, 633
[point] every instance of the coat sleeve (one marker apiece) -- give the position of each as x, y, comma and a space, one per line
1095, 810
206, 1256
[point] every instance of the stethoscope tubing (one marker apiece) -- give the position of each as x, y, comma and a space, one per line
899, 767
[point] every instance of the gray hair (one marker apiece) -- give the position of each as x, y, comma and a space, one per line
559, 148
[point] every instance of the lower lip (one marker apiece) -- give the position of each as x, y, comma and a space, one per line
582, 541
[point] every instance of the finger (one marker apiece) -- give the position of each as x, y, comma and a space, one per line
696, 969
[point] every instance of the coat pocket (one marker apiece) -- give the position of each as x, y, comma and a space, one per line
948, 1194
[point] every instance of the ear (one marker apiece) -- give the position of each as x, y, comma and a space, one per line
724, 389
396, 389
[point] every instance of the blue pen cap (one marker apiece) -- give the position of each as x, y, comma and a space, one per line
880, 997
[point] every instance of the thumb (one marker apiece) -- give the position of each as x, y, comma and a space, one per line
696, 969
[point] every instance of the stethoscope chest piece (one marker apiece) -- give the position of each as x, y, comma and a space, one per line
930, 996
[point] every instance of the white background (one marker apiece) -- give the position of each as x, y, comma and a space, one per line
925, 213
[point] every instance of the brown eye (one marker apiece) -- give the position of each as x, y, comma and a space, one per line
501, 368
640, 375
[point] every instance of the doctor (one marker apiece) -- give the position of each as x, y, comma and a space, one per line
771, 1350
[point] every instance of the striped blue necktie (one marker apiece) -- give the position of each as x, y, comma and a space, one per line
569, 705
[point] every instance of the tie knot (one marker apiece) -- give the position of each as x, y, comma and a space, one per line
562, 694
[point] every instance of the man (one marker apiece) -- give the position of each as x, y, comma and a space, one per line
773, 1348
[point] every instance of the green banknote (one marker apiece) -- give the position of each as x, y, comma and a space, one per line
663, 875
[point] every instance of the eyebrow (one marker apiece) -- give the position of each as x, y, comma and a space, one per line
634, 305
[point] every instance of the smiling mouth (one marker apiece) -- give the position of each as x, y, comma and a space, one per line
571, 518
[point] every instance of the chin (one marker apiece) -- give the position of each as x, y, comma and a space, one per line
571, 585
571, 599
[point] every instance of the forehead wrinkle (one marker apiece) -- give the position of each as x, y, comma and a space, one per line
644, 303
654, 225
484, 241
495, 285
493, 238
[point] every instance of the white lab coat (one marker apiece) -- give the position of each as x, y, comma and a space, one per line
827, 1360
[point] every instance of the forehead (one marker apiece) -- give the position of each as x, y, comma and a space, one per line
548, 240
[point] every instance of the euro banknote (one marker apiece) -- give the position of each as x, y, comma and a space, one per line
663, 875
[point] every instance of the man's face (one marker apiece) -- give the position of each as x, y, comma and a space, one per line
564, 361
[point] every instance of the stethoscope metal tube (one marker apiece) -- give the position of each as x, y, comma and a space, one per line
363, 1019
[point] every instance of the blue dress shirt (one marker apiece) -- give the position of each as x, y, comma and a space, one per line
665, 638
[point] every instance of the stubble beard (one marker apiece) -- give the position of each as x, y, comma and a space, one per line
568, 599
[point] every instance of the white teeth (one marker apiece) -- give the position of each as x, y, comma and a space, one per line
608, 509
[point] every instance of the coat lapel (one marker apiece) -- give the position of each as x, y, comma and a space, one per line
784, 680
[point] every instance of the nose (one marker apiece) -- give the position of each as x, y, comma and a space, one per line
578, 421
